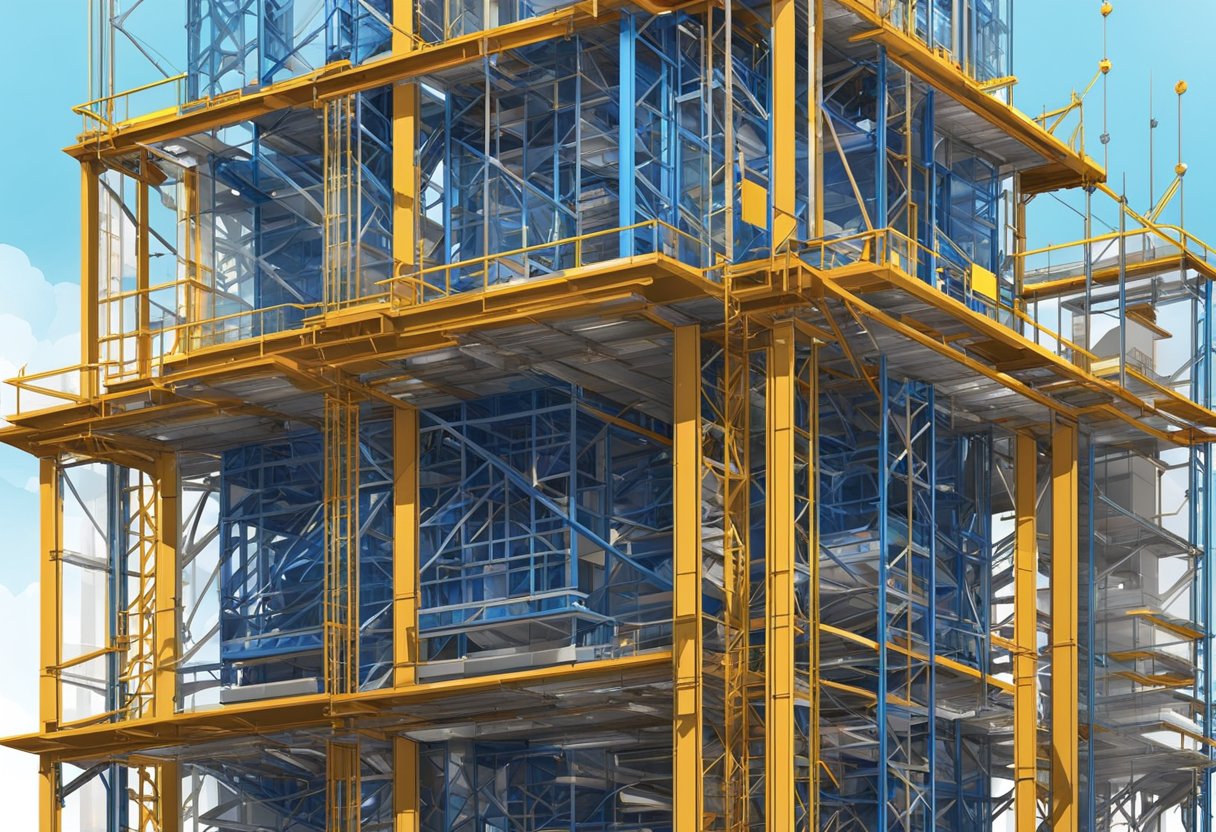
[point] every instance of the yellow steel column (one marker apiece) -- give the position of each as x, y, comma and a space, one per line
50, 589
779, 583
1064, 692
1025, 611
405, 785
405, 546
686, 613
405, 140
343, 787
164, 681
783, 175
90, 267
143, 300
165, 587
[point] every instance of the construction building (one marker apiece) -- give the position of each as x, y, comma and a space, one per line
639, 415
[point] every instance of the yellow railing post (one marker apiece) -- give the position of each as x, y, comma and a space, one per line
687, 739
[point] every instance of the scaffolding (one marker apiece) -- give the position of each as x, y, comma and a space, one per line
615, 416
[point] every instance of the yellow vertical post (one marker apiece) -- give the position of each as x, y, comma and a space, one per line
164, 680
815, 117
405, 546
405, 785
48, 795
779, 582
405, 140
165, 588
192, 247
50, 506
1064, 691
1025, 612
343, 789
783, 175
687, 738
90, 269
143, 299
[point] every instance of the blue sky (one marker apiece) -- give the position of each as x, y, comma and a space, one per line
1058, 45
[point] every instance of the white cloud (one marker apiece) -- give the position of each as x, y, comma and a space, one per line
18, 704
39, 327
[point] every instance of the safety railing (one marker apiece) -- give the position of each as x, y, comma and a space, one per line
177, 316
959, 280
414, 285
1062, 261
107, 113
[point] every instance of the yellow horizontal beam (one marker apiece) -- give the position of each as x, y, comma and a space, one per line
903, 650
1063, 166
1108, 275
339, 79
320, 710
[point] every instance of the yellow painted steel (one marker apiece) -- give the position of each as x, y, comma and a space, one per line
405, 141
50, 592
343, 786
341, 603
90, 266
784, 174
1025, 654
167, 781
405, 546
143, 307
687, 733
166, 579
406, 816
1065, 806
779, 681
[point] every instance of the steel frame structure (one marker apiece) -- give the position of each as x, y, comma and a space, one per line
643, 415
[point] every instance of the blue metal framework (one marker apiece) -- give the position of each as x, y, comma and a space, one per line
470, 786
543, 526
273, 565
236, 44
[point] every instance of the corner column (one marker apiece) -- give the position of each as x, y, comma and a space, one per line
687, 738
50, 590
779, 726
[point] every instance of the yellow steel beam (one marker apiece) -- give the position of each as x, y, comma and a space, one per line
405, 140
1025, 654
165, 631
405, 785
1064, 167
405, 546
50, 591
780, 390
783, 176
340, 78
90, 265
343, 787
164, 697
49, 818
1108, 275
320, 710
1065, 807
169, 797
687, 737
143, 300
